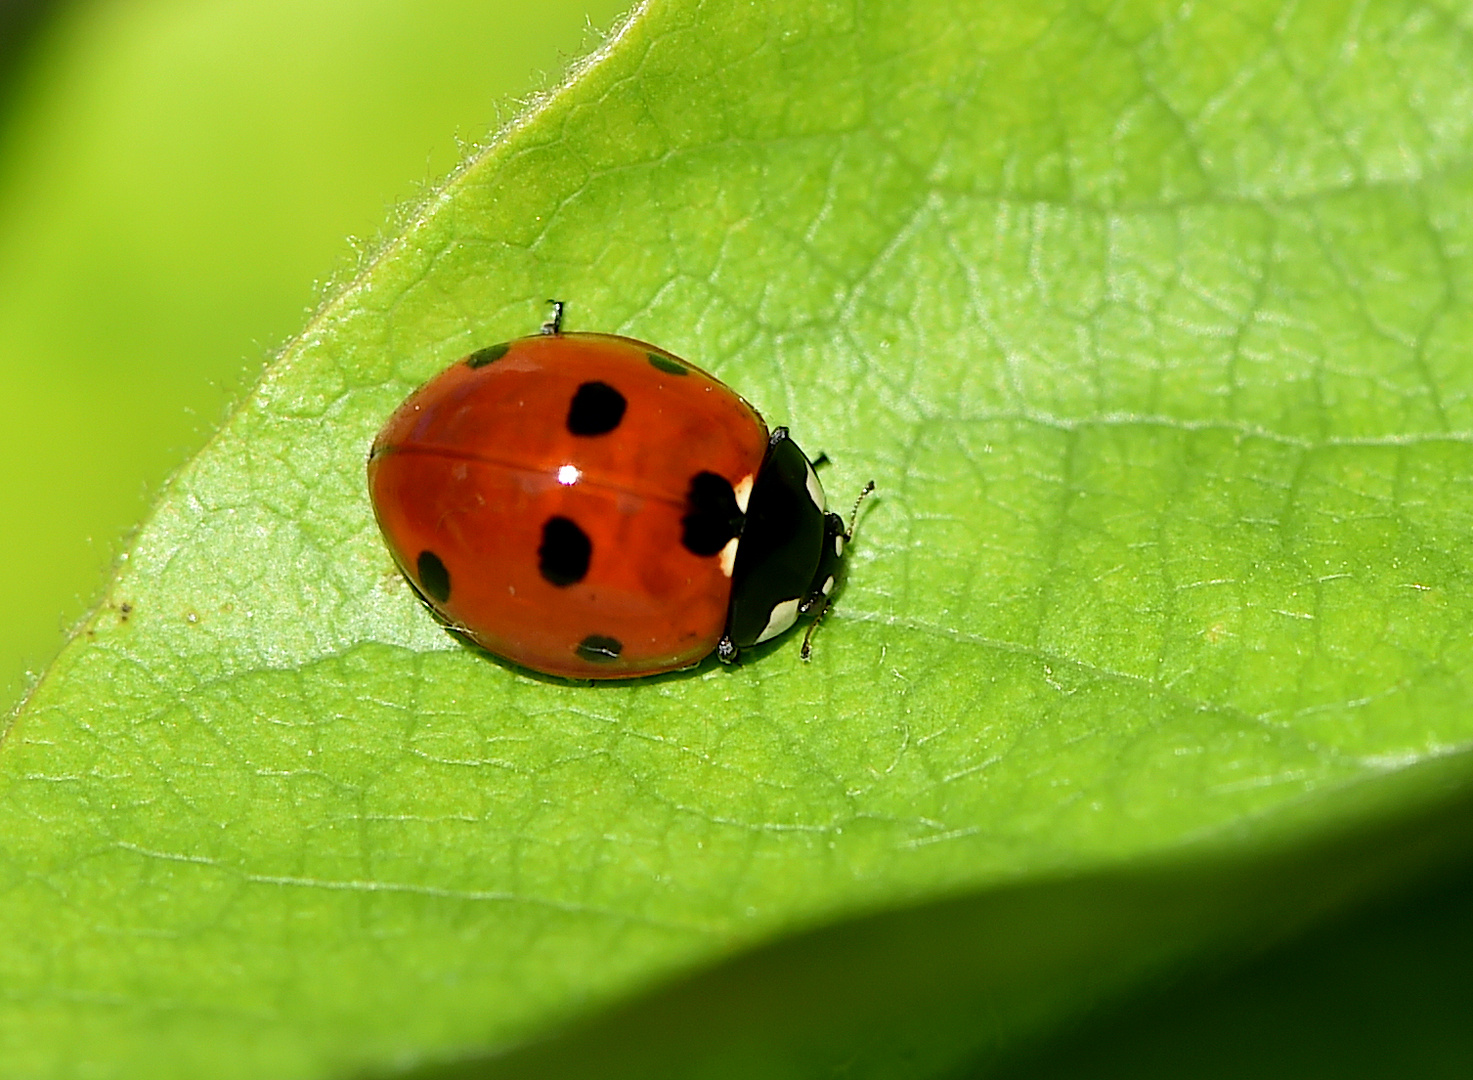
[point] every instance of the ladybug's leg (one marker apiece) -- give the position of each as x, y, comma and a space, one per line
806, 652
554, 323
829, 560
835, 536
726, 652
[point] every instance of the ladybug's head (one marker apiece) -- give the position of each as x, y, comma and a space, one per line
789, 552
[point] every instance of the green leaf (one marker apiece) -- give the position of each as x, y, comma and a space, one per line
1149, 324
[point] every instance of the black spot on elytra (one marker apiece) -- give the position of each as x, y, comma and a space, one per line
489, 355
434, 579
597, 409
599, 649
667, 365
565, 551
712, 517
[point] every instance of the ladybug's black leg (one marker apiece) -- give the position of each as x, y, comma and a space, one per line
806, 652
726, 652
829, 560
554, 323
835, 536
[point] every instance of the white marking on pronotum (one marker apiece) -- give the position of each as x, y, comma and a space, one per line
828, 586
839, 546
568, 475
784, 615
815, 490
727, 556
742, 489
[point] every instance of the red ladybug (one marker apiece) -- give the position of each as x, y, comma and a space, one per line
593, 507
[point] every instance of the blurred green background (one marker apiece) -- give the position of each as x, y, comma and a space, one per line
177, 179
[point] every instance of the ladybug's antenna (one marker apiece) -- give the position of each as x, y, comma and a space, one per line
554, 323
806, 652
854, 514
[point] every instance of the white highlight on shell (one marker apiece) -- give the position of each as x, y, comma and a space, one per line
727, 557
784, 615
742, 489
815, 490
568, 475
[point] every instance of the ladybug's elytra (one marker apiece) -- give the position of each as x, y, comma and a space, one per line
593, 507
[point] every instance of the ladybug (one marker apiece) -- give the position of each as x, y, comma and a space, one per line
593, 507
